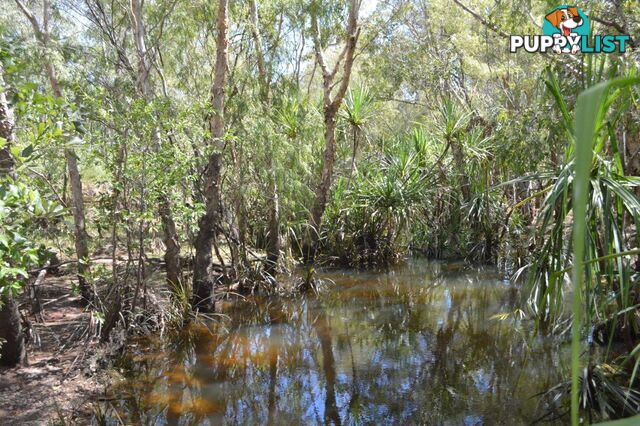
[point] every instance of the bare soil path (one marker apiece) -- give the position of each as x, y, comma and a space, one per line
61, 377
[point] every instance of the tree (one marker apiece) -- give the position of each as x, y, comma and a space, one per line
11, 336
7, 126
332, 102
273, 241
42, 35
170, 237
202, 274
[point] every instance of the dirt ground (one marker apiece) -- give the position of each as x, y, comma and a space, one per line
61, 378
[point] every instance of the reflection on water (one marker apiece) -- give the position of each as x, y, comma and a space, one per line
414, 345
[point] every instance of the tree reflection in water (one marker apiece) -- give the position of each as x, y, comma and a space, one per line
417, 344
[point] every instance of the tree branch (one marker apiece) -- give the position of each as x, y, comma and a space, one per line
316, 43
483, 21
620, 28
32, 19
353, 33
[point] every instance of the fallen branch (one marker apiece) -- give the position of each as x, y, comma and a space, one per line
57, 300
68, 262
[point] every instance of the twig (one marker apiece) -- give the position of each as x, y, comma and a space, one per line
56, 300
483, 21
48, 182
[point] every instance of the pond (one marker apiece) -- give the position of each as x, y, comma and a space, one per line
423, 343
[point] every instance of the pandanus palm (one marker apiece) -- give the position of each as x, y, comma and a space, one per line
452, 121
369, 221
592, 193
611, 203
360, 106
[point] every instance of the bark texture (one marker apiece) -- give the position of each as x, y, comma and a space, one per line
12, 351
80, 232
202, 275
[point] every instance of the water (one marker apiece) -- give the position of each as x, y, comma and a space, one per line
416, 345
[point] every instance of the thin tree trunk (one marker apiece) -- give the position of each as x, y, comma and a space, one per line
81, 236
257, 41
273, 239
460, 161
202, 277
170, 235
7, 125
12, 350
354, 152
331, 108
326, 177
80, 232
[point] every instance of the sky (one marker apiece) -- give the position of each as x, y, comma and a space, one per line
368, 7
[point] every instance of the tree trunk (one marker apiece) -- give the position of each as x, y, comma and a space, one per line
324, 188
331, 108
273, 239
273, 242
257, 41
81, 237
460, 161
169, 233
80, 232
171, 243
12, 349
202, 276
7, 126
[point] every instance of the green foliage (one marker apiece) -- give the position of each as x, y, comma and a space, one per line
592, 192
601, 391
630, 421
591, 109
370, 222
609, 198
22, 211
360, 107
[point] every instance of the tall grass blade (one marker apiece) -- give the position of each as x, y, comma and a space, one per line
589, 116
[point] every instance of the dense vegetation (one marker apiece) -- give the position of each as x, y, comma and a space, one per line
236, 140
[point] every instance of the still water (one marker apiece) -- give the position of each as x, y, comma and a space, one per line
419, 344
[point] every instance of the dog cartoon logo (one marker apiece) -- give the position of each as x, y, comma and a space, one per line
566, 29
569, 22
